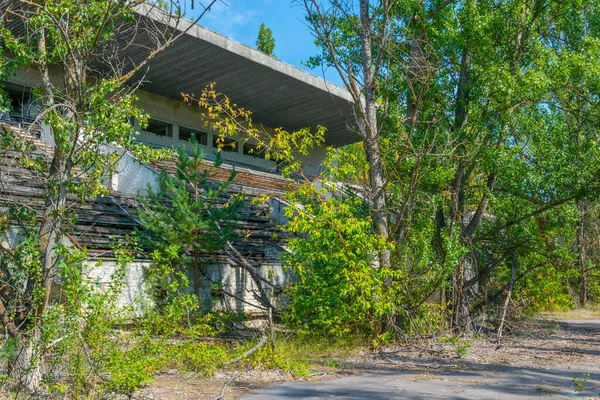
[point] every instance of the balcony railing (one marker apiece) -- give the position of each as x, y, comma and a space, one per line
24, 122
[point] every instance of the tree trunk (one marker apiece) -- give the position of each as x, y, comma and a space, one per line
582, 256
416, 72
460, 311
29, 361
197, 272
508, 294
460, 317
371, 134
27, 369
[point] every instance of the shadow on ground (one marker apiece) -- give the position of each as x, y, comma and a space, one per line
476, 381
402, 376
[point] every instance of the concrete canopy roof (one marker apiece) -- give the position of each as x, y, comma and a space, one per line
278, 94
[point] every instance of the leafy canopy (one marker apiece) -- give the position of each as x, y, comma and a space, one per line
265, 41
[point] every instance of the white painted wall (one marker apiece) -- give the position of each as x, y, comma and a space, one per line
133, 177
239, 283
134, 293
234, 280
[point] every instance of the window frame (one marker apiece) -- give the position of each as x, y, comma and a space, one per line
170, 125
227, 144
255, 153
197, 132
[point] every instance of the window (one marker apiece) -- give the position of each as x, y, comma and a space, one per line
159, 128
225, 144
20, 104
187, 133
20, 107
253, 150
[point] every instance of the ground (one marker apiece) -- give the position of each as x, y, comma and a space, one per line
546, 359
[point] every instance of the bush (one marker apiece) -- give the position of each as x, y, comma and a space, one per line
338, 290
129, 369
268, 358
198, 357
8, 351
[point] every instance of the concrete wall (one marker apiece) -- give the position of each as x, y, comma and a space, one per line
133, 177
134, 292
233, 280
237, 282
12, 236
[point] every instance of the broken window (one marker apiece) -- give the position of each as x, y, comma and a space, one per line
187, 134
224, 144
253, 150
159, 128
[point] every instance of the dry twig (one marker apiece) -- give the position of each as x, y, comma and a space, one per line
222, 394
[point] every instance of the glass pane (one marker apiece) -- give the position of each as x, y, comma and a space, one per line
186, 134
226, 144
253, 150
159, 128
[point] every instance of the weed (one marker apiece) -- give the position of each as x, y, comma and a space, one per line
552, 328
198, 357
450, 339
462, 349
267, 358
128, 369
540, 389
8, 351
580, 382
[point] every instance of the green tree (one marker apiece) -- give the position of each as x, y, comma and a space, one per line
190, 218
351, 42
87, 108
337, 292
265, 41
486, 127
187, 220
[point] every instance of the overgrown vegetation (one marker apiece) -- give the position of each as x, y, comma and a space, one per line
185, 222
480, 170
338, 291
472, 198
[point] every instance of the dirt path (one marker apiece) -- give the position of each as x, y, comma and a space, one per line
551, 360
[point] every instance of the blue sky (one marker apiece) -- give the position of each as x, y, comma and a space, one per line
241, 19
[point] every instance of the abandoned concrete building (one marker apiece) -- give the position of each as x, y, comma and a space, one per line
278, 94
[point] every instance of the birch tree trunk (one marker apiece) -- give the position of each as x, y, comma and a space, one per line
508, 294
582, 256
29, 361
371, 133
